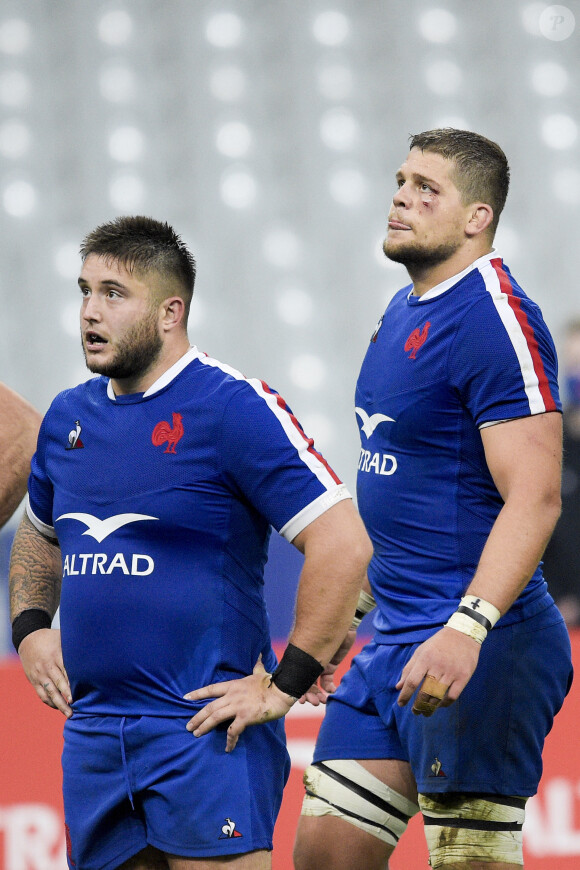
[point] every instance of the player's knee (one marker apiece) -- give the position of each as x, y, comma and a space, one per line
311, 847
344, 789
465, 828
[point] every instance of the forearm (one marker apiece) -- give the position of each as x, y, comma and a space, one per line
323, 617
35, 571
19, 424
334, 571
13, 490
14, 471
510, 557
524, 459
514, 548
366, 586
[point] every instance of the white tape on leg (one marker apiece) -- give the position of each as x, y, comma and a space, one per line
343, 788
462, 828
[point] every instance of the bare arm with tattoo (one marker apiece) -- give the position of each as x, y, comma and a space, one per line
35, 580
19, 424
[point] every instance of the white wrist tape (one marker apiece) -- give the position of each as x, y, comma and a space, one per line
366, 603
474, 617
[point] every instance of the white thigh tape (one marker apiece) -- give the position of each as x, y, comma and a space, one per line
345, 789
462, 828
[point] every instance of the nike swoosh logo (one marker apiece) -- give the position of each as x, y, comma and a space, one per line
101, 529
369, 424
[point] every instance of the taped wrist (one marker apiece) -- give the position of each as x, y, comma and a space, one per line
27, 622
366, 603
474, 617
296, 672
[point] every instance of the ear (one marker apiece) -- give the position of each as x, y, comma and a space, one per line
480, 216
172, 313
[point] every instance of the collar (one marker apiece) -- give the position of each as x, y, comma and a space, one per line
169, 375
438, 289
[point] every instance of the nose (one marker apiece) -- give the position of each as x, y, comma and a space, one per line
401, 197
90, 308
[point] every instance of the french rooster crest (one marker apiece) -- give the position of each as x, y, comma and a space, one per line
416, 340
171, 433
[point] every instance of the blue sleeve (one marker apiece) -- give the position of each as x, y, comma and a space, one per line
267, 456
503, 361
40, 489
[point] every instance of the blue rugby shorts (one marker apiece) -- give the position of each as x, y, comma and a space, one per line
133, 781
490, 740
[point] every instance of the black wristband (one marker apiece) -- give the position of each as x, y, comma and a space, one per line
27, 622
296, 672
474, 614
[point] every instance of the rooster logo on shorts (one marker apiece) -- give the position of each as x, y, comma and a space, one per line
437, 768
229, 830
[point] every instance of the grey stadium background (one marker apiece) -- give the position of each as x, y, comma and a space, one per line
268, 133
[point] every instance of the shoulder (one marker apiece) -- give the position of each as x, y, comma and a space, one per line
93, 390
400, 297
226, 382
215, 371
90, 393
216, 383
494, 281
494, 296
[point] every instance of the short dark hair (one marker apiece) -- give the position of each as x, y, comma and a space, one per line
143, 244
481, 173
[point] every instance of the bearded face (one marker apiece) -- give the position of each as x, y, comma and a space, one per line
129, 355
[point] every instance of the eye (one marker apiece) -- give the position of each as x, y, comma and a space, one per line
85, 292
426, 187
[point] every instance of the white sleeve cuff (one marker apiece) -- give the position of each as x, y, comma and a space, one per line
313, 510
47, 531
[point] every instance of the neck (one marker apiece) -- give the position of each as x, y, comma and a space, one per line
424, 278
170, 354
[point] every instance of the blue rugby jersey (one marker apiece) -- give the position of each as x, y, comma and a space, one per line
162, 504
471, 351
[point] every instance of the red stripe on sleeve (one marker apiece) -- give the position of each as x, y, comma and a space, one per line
284, 407
528, 332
